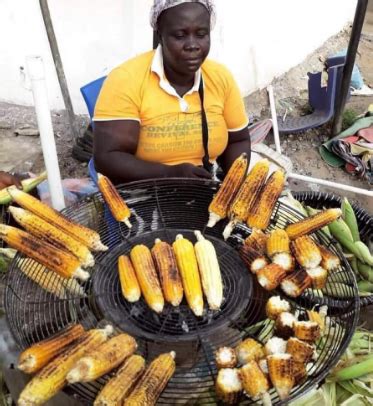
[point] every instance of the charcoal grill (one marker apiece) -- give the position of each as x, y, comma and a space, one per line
164, 208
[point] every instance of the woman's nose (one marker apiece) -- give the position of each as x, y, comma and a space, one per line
192, 44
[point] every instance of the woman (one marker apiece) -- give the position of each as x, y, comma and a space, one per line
6, 179
149, 119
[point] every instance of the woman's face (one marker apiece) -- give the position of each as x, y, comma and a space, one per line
184, 33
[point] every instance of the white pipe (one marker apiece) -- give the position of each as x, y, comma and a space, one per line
276, 132
36, 72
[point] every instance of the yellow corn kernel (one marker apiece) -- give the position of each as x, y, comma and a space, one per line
313, 223
278, 242
257, 240
83, 234
254, 382
319, 277
146, 273
260, 215
220, 204
117, 205
329, 261
249, 350
128, 281
225, 357
306, 252
228, 386
319, 317
296, 283
153, 382
307, 330
165, 262
275, 306
281, 373
271, 276
188, 267
38, 355
301, 351
56, 260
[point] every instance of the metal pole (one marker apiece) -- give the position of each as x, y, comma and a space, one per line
357, 27
58, 65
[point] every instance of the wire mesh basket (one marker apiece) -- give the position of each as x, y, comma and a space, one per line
163, 209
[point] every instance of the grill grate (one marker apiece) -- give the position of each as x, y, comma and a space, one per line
164, 208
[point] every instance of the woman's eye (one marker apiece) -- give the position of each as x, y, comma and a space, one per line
179, 36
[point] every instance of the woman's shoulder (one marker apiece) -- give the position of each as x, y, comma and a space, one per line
217, 72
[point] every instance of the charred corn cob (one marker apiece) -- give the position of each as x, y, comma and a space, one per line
61, 262
117, 205
146, 273
52, 378
153, 382
261, 213
301, 351
275, 306
103, 359
128, 281
228, 386
257, 240
319, 276
209, 269
271, 276
38, 355
285, 260
263, 365
83, 234
318, 317
188, 267
165, 262
253, 259
284, 325
281, 373
119, 387
225, 357
247, 195
219, 206
307, 330
249, 350
313, 223
254, 382
306, 252
278, 242
329, 260
46, 231
296, 283
299, 372
275, 345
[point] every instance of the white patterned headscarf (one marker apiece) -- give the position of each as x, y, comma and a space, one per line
161, 5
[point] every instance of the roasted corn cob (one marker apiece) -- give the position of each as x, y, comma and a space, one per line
220, 204
311, 224
263, 365
146, 273
247, 195
128, 281
249, 350
329, 260
275, 306
284, 325
278, 242
281, 373
188, 267
225, 357
296, 283
271, 276
153, 382
52, 378
318, 317
48, 232
103, 359
228, 386
254, 382
39, 354
301, 351
285, 260
299, 372
119, 387
61, 262
83, 234
257, 240
307, 330
319, 277
275, 345
117, 205
253, 259
306, 252
261, 213
209, 269
165, 262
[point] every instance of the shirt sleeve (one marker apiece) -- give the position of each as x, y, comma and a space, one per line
119, 98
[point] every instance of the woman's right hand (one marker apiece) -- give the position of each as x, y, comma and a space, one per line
188, 171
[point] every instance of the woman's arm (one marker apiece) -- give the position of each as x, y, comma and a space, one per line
115, 145
6, 179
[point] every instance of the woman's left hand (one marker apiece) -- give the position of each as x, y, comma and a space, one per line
6, 179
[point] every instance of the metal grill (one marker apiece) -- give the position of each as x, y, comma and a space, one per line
162, 209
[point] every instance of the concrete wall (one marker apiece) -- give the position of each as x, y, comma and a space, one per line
257, 39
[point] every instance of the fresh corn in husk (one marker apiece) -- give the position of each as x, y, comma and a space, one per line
103, 359
307, 331
228, 386
165, 262
284, 325
253, 259
285, 260
296, 283
275, 306
209, 269
225, 357
249, 350
329, 261
61, 262
261, 213
146, 273
120, 386
46, 231
271, 276
319, 277
278, 242
128, 280
312, 224
153, 382
117, 205
52, 378
306, 252
281, 373
38, 355
254, 382
275, 345
188, 267
81, 233
220, 204
301, 351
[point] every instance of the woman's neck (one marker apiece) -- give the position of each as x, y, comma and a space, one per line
179, 80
